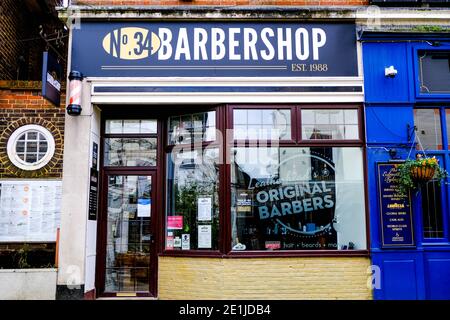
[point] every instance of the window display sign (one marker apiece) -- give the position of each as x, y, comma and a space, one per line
302, 209
204, 236
30, 210
204, 206
215, 49
175, 222
395, 208
308, 198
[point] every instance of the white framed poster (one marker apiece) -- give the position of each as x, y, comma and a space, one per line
204, 206
204, 236
30, 210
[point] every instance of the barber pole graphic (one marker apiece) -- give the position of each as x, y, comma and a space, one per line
74, 107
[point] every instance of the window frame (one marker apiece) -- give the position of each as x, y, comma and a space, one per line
12, 145
445, 185
167, 149
128, 135
417, 70
297, 142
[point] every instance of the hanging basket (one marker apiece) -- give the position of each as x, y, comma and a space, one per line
422, 174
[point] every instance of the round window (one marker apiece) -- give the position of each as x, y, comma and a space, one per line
31, 147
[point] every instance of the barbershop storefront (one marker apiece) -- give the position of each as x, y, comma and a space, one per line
215, 160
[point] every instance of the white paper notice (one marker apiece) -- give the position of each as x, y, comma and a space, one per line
185, 241
204, 236
144, 208
204, 209
29, 210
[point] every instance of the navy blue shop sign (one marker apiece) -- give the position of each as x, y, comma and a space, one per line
215, 49
395, 209
51, 78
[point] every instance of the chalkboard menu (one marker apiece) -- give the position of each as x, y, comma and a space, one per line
395, 209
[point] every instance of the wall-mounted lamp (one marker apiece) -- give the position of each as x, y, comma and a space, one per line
74, 107
390, 72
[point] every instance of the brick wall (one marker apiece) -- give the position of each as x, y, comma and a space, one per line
20, 43
264, 278
12, 29
224, 2
21, 103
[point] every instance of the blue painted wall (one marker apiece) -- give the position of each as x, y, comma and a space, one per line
423, 272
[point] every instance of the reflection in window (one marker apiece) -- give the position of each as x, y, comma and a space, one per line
128, 234
262, 124
297, 199
192, 200
130, 152
190, 128
330, 124
447, 121
432, 210
428, 124
130, 126
434, 71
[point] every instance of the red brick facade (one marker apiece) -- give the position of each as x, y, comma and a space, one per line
21, 103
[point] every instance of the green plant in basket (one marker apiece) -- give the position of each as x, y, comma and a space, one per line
413, 173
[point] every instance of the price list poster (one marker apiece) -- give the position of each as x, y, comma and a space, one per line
30, 210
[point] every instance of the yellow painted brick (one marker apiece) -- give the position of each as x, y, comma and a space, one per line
274, 278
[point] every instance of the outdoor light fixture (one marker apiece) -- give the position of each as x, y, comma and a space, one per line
390, 72
74, 107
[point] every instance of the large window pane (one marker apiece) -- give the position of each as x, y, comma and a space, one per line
447, 121
190, 128
130, 126
128, 233
297, 199
330, 124
432, 210
262, 124
192, 200
434, 71
428, 125
130, 152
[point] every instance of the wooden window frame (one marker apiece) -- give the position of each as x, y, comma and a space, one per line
224, 121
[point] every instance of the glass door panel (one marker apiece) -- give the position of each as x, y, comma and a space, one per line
128, 237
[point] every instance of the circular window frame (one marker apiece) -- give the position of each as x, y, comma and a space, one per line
22, 164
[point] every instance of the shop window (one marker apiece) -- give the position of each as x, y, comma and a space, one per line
433, 226
31, 147
130, 143
330, 124
434, 71
131, 126
192, 199
447, 123
428, 124
262, 124
293, 198
191, 128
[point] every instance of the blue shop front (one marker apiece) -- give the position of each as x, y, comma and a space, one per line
407, 108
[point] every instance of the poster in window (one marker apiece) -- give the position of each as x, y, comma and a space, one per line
244, 203
175, 222
144, 208
204, 236
185, 241
204, 205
